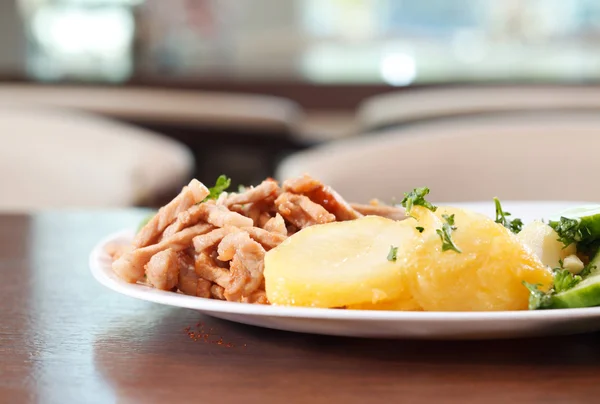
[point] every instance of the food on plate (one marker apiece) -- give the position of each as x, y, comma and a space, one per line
301, 244
486, 273
423, 273
308, 270
211, 243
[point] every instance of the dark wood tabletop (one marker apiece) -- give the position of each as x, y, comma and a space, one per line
66, 339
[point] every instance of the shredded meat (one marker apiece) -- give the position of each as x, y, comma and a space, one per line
189, 283
267, 189
206, 268
208, 240
162, 271
216, 215
391, 212
193, 193
217, 292
323, 195
130, 266
301, 211
276, 225
263, 219
267, 239
258, 297
220, 216
246, 266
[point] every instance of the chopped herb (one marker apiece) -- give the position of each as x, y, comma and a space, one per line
445, 234
568, 230
587, 270
420, 229
564, 280
392, 254
220, 186
537, 298
241, 189
417, 197
514, 225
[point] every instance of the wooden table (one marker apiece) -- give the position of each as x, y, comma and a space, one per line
64, 338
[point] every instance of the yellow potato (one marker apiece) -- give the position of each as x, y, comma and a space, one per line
407, 304
339, 264
345, 265
486, 275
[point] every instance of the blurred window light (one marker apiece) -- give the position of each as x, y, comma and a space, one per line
81, 39
332, 63
351, 19
330, 41
71, 32
469, 45
398, 69
433, 17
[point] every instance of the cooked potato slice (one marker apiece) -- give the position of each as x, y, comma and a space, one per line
486, 275
339, 264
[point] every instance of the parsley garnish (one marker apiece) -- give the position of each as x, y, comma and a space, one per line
564, 280
537, 298
417, 197
220, 186
392, 254
568, 230
420, 229
587, 270
514, 225
445, 234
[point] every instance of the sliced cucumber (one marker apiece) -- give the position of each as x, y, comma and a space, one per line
594, 265
584, 294
585, 223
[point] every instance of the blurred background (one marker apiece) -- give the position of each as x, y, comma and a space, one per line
244, 86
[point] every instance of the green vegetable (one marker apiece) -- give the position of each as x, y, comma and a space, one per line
579, 225
445, 234
514, 225
564, 280
220, 186
567, 292
568, 230
585, 294
392, 254
145, 221
593, 267
537, 298
417, 197
420, 229
587, 271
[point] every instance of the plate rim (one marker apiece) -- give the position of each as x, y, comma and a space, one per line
105, 276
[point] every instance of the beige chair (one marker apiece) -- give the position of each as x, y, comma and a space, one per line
193, 109
58, 159
185, 108
519, 157
414, 105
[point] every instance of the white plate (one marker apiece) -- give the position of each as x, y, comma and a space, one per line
371, 324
